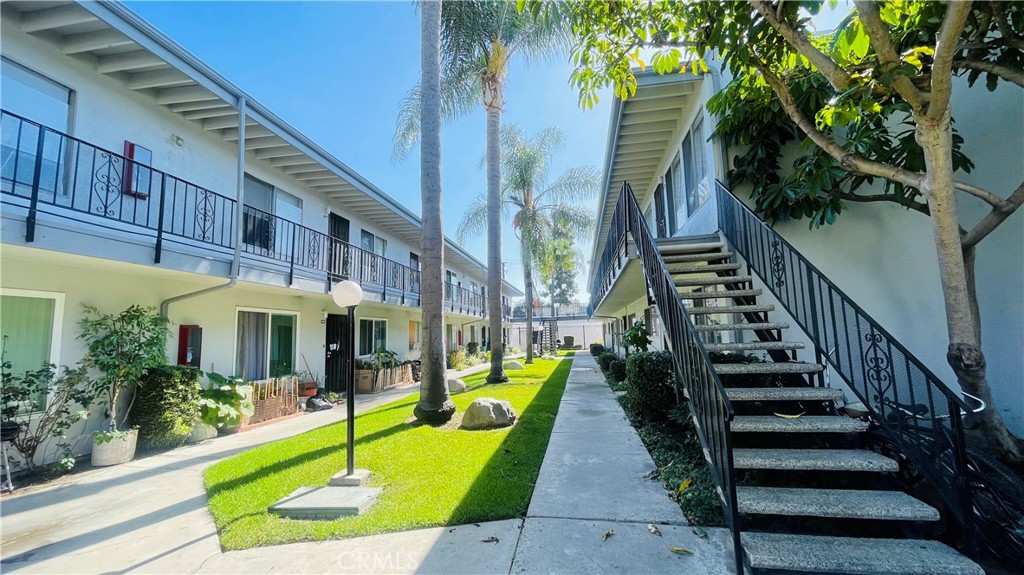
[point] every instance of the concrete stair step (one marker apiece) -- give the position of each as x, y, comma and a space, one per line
783, 393
845, 503
753, 346
720, 294
689, 258
730, 309
703, 269
742, 326
812, 459
698, 282
676, 247
854, 555
773, 367
802, 424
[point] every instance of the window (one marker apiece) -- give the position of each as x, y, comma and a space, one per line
31, 333
373, 244
266, 345
373, 336
695, 167
38, 99
138, 174
261, 225
414, 335
677, 196
414, 261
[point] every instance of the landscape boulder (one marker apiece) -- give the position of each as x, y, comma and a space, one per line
513, 365
487, 412
456, 385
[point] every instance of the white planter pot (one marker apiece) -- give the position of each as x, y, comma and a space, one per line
115, 451
202, 432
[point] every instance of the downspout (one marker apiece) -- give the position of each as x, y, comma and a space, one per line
236, 258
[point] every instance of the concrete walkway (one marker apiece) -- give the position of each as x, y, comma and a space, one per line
150, 516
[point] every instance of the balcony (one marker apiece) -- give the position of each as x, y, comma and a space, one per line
48, 175
458, 299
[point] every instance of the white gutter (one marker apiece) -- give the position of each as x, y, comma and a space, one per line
236, 258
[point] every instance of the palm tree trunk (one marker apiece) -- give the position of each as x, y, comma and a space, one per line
964, 352
493, 100
524, 253
434, 405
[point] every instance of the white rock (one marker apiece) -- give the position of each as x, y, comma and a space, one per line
202, 432
456, 385
513, 365
487, 412
548, 357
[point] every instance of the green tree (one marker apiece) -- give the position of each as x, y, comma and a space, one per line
873, 100
557, 265
478, 40
536, 205
435, 405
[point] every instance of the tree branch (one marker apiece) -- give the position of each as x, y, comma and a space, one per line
1009, 36
837, 76
981, 193
850, 161
1004, 72
945, 49
886, 51
909, 204
994, 218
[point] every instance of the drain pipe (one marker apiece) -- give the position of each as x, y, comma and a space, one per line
239, 208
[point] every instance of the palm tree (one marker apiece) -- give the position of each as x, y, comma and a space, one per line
478, 39
538, 207
434, 405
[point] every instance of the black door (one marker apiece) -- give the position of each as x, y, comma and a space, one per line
338, 352
659, 211
337, 256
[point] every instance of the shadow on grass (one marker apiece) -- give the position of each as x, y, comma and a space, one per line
536, 422
303, 458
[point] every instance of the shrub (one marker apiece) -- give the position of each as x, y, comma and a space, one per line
605, 360
596, 349
457, 358
637, 336
650, 393
472, 347
167, 405
617, 369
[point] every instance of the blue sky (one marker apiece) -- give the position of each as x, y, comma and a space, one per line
337, 71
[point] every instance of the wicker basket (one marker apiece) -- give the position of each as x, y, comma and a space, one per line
115, 451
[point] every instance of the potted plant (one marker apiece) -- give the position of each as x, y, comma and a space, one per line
364, 375
227, 404
121, 347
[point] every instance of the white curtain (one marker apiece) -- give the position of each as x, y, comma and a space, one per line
252, 345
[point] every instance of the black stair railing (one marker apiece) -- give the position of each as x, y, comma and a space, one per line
913, 406
46, 171
695, 375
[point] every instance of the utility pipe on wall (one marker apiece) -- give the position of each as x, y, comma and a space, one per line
236, 259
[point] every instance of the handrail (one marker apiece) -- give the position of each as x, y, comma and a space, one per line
881, 372
709, 401
51, 170
466, 299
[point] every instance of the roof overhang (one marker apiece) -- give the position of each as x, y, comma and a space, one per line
640, 133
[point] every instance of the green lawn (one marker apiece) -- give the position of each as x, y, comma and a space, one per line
431, 476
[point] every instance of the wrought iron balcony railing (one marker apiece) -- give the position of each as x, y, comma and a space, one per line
461, 300
46, 171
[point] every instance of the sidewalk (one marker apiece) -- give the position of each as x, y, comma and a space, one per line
150, 516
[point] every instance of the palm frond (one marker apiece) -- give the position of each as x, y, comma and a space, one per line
474, 221
573, 220
460, 94
574, 185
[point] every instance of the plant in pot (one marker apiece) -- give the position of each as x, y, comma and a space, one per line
121, 347
227, 404
46, 398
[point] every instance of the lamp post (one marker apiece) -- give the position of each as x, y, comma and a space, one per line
348, 294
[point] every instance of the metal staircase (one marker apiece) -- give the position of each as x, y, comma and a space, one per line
549, 335
794, 408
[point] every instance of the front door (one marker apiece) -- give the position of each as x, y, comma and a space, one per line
339, 352
337, 256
